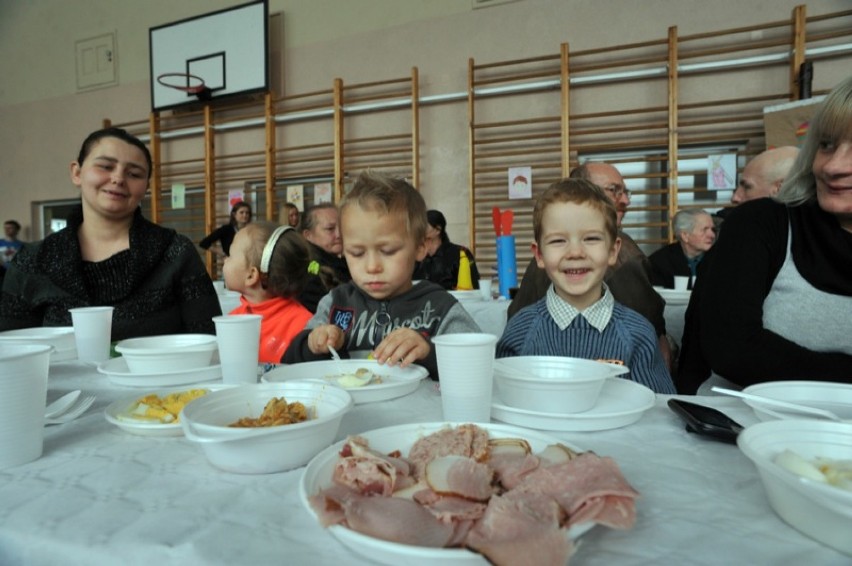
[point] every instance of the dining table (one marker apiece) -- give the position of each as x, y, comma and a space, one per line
99, 495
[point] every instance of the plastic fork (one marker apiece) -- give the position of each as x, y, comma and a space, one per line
61, 405
78, 409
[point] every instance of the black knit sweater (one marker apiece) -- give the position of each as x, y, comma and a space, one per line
157, 286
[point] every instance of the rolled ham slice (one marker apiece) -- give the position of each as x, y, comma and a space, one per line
461, 477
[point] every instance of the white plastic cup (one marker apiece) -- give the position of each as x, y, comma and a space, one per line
23, 395
92, 332
485, 288
680, 282
238, 336
466, 373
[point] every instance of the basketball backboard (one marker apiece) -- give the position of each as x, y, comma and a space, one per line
226, 49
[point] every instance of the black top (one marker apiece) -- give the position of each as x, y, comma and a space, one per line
315, 288
157, 286
667, 262
224, 234
740, 271
443, 267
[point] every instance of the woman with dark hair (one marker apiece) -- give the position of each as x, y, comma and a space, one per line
224, 234
109, 255
441, 264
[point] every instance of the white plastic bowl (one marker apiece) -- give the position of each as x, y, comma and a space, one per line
60, 337
264, 450
836, 397
167, 353
552, 384
820, 511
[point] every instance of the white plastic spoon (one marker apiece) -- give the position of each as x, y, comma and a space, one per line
61, 405
780, 404
358, 379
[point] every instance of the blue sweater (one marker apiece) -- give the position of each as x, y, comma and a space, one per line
628, 337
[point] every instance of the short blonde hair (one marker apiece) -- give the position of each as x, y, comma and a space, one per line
389, 195
577, 191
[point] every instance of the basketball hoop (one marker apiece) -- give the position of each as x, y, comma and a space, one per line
193, 84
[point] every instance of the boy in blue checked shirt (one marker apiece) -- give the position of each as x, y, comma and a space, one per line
575, 231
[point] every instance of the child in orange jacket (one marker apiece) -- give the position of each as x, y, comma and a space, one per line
268, 266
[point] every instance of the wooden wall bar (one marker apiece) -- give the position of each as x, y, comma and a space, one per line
656, 109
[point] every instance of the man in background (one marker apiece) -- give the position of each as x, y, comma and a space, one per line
764, 174
695, 234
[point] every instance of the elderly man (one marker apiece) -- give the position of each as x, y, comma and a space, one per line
763, 175
695, 236
320, 227
628, 280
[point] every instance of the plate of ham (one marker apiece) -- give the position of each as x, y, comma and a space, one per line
466, 494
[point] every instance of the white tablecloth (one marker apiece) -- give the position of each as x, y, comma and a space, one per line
100, 496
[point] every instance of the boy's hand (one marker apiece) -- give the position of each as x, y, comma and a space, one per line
403, 346
321, 336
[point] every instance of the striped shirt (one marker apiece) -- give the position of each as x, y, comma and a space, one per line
564, 313
628, 337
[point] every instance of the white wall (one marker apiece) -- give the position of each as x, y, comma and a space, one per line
43, 119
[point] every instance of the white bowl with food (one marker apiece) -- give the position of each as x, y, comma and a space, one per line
261, 448
167, 353
552, 384
367, 380
806, 469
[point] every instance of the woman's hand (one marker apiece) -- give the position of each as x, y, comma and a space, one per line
403, 346
322, 336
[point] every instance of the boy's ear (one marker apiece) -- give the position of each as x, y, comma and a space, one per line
539, 261
613, 253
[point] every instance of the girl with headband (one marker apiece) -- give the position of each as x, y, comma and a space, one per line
268, 266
